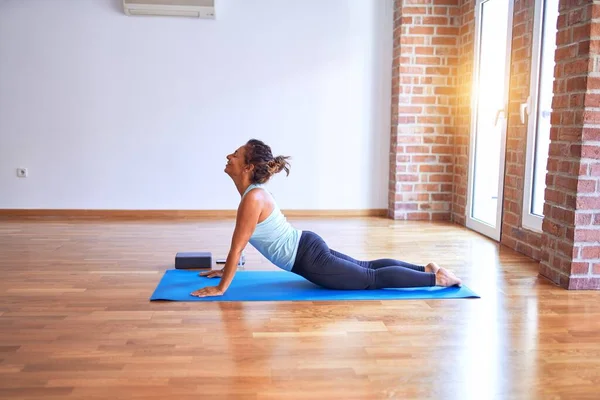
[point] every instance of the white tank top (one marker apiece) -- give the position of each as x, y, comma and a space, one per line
275, 238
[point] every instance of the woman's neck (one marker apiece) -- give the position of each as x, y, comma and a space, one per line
242, 184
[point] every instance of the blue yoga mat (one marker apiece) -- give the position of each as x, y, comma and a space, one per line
176, 285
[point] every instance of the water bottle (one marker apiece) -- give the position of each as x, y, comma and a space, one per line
242, 260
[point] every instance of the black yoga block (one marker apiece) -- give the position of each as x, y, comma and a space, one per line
193, 260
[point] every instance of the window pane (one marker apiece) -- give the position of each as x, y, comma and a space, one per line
544, 106
491, 88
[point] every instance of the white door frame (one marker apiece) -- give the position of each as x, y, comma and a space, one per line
477, 225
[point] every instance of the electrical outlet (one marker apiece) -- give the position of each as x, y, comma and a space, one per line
22, 172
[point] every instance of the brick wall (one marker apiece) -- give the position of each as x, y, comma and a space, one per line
466, 37
513, 234
571, 240
395, 159
431, 121
423, 105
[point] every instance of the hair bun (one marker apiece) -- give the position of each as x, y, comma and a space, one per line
259, 154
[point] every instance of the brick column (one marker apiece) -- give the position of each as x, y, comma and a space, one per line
462, 137
423, 105
571, 239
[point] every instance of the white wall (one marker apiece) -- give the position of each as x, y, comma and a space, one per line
115, 112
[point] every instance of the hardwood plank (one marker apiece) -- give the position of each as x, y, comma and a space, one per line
35, 392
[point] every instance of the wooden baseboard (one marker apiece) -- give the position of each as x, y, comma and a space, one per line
376, 212
176, 214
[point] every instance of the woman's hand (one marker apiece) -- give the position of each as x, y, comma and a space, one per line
208, 291
217, 273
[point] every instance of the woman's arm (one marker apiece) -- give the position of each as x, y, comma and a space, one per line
247, 217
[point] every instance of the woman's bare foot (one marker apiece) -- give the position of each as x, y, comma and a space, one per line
432, 267
446, 278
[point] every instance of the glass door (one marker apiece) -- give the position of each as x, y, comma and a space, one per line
493, 37
539, 107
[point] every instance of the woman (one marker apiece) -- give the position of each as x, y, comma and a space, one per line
260, 222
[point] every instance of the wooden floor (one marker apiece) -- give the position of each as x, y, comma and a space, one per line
76, 322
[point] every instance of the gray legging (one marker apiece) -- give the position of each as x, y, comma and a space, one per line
316, 262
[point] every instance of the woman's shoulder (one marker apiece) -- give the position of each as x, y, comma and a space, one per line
259, 200
253, 186
254, 195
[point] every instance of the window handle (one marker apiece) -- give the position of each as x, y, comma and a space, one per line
525, 106
500, 111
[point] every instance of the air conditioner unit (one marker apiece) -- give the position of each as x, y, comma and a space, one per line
172, 8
